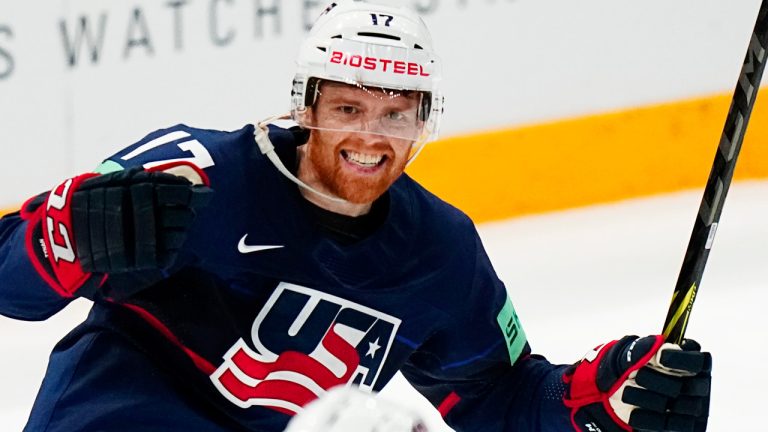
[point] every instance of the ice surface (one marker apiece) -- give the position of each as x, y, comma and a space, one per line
577, 278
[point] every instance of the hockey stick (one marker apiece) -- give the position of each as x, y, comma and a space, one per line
719, 181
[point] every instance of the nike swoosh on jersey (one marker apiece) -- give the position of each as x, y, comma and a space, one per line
245, 248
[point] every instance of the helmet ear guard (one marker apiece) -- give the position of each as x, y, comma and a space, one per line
312, 91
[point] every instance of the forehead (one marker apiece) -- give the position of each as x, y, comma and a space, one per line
330, 90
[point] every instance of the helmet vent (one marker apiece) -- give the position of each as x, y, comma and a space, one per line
379, 35
417, 46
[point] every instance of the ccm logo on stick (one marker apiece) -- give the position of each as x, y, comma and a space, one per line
373, 63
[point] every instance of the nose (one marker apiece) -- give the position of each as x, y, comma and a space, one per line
370, 136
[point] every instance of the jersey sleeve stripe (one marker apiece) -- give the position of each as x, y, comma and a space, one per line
448, 403
472, 359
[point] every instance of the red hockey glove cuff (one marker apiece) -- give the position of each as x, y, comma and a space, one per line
640, 383
50, 237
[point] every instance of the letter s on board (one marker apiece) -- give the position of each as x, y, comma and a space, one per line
6, 59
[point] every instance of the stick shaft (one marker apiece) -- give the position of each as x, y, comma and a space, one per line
719, 181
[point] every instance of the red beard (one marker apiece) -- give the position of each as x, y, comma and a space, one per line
336, 176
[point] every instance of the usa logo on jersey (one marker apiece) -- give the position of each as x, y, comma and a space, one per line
305, 342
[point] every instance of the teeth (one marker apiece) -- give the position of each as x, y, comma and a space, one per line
364, 159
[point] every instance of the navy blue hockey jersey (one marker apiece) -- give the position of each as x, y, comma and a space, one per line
239, 336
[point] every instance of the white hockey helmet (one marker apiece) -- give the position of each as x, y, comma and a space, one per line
347, 409
385, 50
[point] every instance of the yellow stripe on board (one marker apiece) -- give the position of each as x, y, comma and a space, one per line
6, 211
589, 160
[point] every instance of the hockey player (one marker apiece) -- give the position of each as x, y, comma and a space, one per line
236, 276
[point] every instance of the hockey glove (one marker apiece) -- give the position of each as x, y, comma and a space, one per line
640, 384
119, 222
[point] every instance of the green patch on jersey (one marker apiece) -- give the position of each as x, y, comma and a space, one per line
512, 330
108, 167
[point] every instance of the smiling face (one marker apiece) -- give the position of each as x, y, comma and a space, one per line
360, 142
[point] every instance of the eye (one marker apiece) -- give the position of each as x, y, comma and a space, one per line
396, 116
347, 109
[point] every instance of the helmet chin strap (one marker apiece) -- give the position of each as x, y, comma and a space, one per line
421, 143
268, 149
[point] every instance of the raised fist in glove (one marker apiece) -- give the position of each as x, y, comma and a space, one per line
640, 384
113, 223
